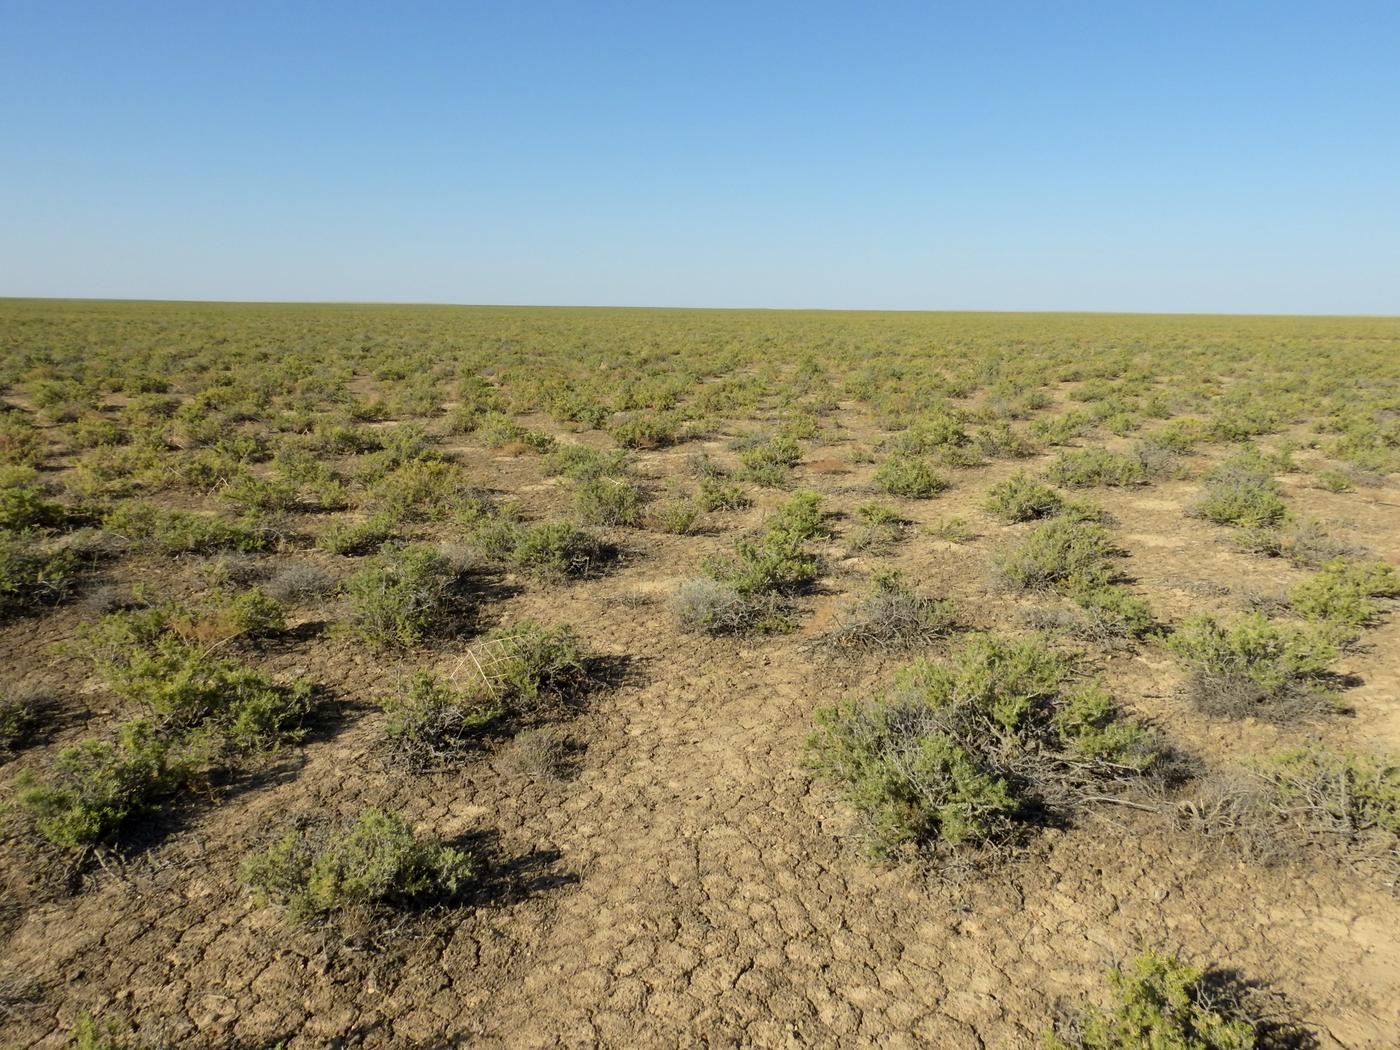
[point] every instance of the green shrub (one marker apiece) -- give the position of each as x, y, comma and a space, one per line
140, 656
110, 1034
609, 501
376, 862
715, 607
97, 786
183, 532
554, 550
32, 573
1059, 554
429, 720
1336, 794
646, 430
1114, 610
1241, 492
421, 490
405, 596
719, 494
1342, 592
1250, 665
582, 463
969, 750
878, 528
23, 504
909, 478
891, 615
675, 516
1163, 1004
359, 537
1334, 480
19, 718
1081, 468
1021, 498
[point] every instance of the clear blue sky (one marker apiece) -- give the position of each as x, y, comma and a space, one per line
1169, 156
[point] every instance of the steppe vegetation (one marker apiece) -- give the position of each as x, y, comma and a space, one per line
421, 676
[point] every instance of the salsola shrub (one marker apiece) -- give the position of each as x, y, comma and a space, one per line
892, 615
555, 550
109, 1033
95, 787
971, 750
142, 658
1022, 498
583, 463
1241, 491
1059, 553
405, 596
19, 719
1343, 593
1252, 666
1163, 1004
646, 430
430, 720
375, 863
675, 516
33, 572
609, 501
768, 461
357, 537
183, 532
910, 477
878, 528
1329, 793
1081, 468
23, 501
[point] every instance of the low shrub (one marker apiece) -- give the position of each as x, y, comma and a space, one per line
554, 550
1342, 593
973, 749
878, 528
892, 615
95, 787
1021, 498
358, 537
675, 516
582, 463
430, 720
375, 863
19, 719
543, 753
300, 583
1165, 1004
1252, 666
107, 1034
909, 478
1059, 554
609, 501
24, 504
646, 430
183, 532
1241, 492
1081, 468
33, 573
720, 494
405, 596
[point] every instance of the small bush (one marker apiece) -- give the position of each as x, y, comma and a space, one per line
1021, 498
359, 537
377, 862
1161, 1003
1252, 666
608, 501
878, 528
182, 532
430, 720
1341, 594
420, 490
582, 463
109, 1034
541, 753
23, 501
19, 718
97, 786
719, 494
1081, 468
1058, 554
554, 550
1241, 492
300, 583
909, 478
712, 606
676, 516
891, 615
405, 596
967, 751
32, 573
646, 430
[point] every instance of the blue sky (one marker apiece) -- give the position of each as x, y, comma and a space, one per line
1200, 157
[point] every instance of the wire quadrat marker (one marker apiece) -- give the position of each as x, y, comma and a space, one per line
488, 662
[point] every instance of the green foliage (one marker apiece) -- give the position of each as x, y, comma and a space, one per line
1341, 594
142, 658
909, 477
878, 528
429, 719
404, 596
182, 532
23, 502
32, 573
1250, 665
609, 501
109, 1034
420, 490
1160, 1003
583, 463
1097, 466
1333, 793
718, 494
1241, 492
675, 516
19, 718
97, 786
646, 430
1059, 554
891, 615
1021, 498
377, 862
358, 537
965, 751
552, 550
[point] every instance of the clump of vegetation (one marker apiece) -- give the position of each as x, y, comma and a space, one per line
1343, 593
744, 590
583, 463
143, 658
1241, 492
1021, 498
405, 596
1081, 468
19, 719
430, 720
357, 537
183, 532
609, 501
549, 550
1252, 666
33, 573
95, 787
969, 751
542, 753
910, 477
1162, 1003
376, 863
768, 462
878, 528
646, 430
892, 615
675, 516
108, 1034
